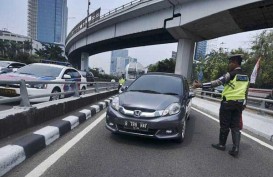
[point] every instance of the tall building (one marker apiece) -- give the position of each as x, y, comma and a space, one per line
200, 50
114, 59
8, 37
47, 20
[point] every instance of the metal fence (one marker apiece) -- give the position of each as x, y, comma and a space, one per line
24, 97
83, 24
259, 102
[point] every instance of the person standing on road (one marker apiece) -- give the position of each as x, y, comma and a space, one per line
121, 81
233, 102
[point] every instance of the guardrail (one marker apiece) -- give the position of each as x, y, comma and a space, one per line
82, 24
25, 98
261, 101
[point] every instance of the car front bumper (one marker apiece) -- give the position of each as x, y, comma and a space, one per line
167, 127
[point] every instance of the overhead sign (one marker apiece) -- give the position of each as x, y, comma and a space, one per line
95, 16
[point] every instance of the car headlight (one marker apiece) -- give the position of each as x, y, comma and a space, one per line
174, 108
115, 103
37, 86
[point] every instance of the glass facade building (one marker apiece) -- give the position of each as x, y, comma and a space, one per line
200, 50
114, 59
47, 20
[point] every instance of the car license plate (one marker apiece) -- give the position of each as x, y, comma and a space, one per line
135, 125
7, 92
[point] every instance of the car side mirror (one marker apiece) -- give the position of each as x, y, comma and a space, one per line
66, 76
191, 95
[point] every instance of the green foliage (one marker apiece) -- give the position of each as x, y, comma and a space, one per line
167, 65
216, 63
51, 52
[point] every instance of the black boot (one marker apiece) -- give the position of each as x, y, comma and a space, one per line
222, 140
236, 136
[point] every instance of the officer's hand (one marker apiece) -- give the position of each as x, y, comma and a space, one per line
196, 84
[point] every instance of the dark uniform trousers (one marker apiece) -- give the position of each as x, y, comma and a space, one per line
230, 115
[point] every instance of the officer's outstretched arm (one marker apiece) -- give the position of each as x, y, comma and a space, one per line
220, 81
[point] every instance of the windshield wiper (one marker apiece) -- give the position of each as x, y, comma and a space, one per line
169, 93
145, 91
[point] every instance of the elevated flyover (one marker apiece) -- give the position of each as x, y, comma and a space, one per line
148, 22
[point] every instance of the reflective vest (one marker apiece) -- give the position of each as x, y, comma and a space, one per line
236, 88
121, 81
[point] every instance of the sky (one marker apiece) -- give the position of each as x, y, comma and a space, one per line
13, 17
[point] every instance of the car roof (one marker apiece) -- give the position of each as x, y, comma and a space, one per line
52, 65
165, 74
10, 62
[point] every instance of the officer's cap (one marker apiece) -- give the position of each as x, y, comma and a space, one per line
237, 57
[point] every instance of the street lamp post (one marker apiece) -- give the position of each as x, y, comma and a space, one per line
87, 12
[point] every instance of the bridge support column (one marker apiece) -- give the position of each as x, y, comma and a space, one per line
184, 57
84, 61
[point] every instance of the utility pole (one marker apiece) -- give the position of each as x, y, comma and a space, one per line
88, 12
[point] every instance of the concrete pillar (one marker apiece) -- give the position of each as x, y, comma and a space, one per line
184, 57
84, 61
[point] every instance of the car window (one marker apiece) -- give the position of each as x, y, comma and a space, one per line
158, 84
40, 70
4, 64
16, 65
73, 73
128, 82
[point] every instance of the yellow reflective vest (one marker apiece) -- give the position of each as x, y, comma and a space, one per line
236, 88
121, 81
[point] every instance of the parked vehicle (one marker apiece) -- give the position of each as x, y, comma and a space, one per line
42, 72
270, 97
149, 108
88, 75
10, 66
219, 89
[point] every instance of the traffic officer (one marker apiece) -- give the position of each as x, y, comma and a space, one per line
233, 102
121, 81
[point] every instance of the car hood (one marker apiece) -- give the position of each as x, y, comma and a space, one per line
147, 100
16, 77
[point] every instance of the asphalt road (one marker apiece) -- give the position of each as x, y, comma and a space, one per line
100, 153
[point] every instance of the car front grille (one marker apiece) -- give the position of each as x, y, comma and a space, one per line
141, 109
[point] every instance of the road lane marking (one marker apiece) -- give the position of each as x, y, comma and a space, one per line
243, 133
46, 164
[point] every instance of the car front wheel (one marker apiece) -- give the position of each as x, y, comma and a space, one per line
182, 132
55, 97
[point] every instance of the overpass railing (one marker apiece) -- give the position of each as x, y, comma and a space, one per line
25, 98
259, 102
83, 24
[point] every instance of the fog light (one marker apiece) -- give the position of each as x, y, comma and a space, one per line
169, 131
111, 124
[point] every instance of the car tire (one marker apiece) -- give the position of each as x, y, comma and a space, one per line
83, 93
182, 132
55, 97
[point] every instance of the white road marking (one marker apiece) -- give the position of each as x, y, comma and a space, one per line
243, 133
46, 164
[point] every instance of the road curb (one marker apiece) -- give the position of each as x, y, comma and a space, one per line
23, 148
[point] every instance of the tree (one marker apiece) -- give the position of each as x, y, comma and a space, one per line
167, 65
51, 52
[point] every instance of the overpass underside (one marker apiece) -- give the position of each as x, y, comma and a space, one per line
185, 22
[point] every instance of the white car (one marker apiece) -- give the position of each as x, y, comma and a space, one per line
42, 72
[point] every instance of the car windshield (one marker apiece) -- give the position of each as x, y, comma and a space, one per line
4, 64
128, 82
40, 70
161, 84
